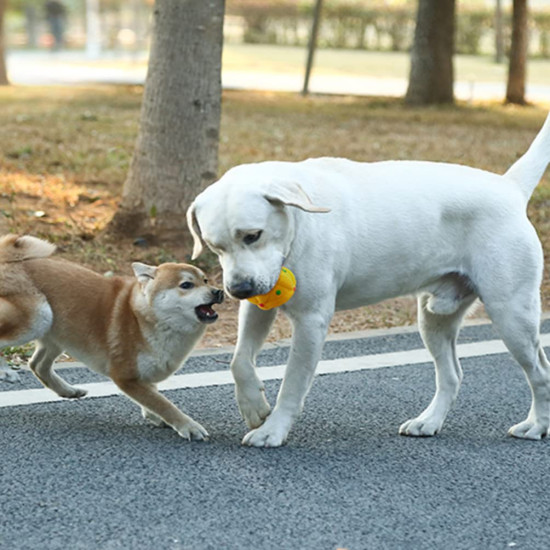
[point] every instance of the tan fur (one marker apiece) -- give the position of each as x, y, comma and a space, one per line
137, 331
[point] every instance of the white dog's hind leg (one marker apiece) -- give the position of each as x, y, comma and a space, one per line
254, 325
509, 285
41, 364
307, 343
517, 322
439, 333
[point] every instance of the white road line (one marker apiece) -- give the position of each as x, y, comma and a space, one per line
220, 378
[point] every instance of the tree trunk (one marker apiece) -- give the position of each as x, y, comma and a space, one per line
515, 90
431, 76
3, 71
499, 34
93, 29
312, 46
176, 152
31, 26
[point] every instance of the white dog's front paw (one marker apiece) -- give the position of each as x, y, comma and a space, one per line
420, 427
262, 437
253, 406
528, 429
273, 433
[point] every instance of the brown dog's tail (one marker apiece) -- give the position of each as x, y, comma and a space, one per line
16, 249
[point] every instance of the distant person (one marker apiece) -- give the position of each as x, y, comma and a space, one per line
55, 14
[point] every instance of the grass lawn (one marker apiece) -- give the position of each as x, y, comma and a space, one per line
66, 150
282, 59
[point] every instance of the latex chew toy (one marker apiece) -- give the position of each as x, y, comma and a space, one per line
280, 294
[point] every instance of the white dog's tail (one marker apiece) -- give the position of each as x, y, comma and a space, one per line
529, 169
16, 249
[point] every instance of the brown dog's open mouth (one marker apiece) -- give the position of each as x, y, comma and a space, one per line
206, 314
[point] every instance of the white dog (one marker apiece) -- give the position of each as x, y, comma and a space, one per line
357, 233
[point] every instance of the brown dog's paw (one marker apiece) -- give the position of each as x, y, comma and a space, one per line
193, 431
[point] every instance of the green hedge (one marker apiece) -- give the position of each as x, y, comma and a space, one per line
363, 24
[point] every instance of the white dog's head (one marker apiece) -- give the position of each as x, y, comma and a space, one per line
248, 224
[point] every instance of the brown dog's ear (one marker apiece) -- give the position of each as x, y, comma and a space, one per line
292, 194
195, 231
143, 272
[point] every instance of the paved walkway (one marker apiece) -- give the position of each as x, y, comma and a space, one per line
91, 474
45, 68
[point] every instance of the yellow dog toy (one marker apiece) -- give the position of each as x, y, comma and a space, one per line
281, 293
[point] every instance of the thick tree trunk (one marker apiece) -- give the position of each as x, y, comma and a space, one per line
431, 76
3, 71
515, 90
176, 152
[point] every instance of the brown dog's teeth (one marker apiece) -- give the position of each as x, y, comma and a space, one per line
206, 312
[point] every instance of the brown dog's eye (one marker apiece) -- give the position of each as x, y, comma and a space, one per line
187, 285
252, 237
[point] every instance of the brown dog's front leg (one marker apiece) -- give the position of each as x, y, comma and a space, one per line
149, 397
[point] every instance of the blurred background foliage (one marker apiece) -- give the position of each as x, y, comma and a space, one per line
374, 25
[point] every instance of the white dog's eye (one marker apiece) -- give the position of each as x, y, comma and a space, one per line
186, 285
252, 237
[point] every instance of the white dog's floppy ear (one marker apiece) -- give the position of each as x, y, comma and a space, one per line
292, 194
143, 272
195, 231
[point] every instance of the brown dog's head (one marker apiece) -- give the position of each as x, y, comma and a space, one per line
178, 292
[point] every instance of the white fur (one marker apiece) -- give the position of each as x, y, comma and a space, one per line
175, 335
447, 233
41, 323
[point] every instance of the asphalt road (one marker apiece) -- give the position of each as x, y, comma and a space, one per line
91, 474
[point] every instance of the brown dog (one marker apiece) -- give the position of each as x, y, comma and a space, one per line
136, 331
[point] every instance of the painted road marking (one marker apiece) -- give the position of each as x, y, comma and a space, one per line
220, 378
